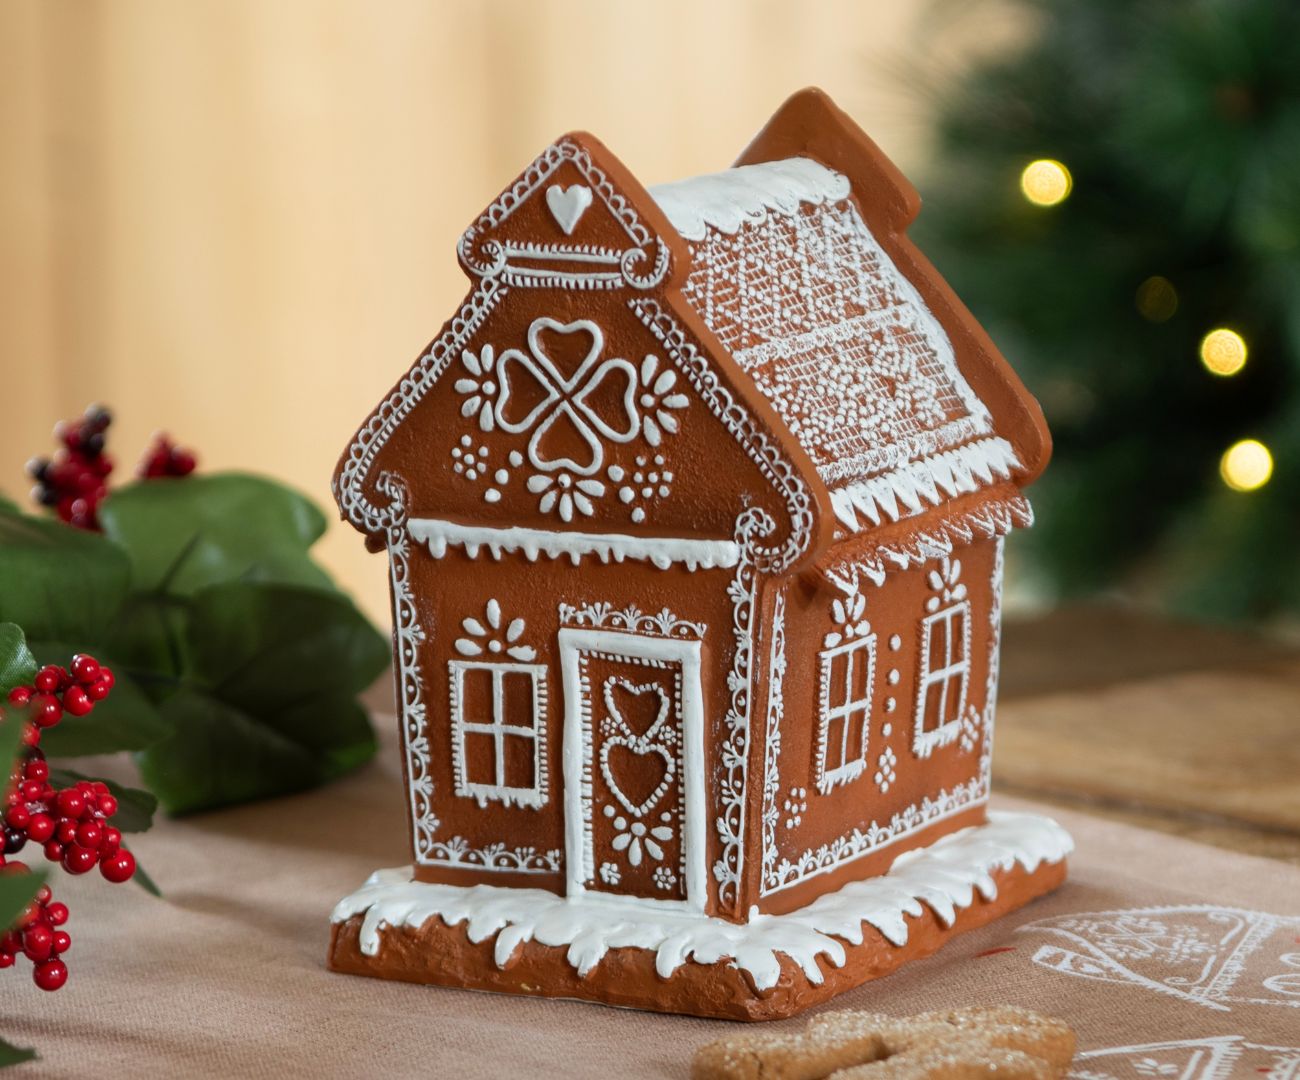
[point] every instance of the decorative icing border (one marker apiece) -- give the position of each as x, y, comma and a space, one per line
498, 262
632, 620
924, 743
851, 768
534, 797
946, 877
763, 451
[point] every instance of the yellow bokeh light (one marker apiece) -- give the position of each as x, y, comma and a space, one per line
1223, 352
1246, 465
1046, 182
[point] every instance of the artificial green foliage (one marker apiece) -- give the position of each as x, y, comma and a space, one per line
14, 1055
1180, 123
237, 662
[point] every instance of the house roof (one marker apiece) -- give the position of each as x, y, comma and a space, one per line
788, 276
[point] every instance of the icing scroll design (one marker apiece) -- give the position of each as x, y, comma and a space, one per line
764, 451
643, 265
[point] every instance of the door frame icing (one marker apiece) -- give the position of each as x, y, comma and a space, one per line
579, 860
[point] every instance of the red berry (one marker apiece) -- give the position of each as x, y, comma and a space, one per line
106, 675
40, 828
37, 941
57, 913
54, 851
31, 735
62, 942
18, 816
85, 669
107, 805
71, 803
50, 975
78, 859
20, 695
36, 769
6, 960
11, 942
46, 710
43, 895
77, 701
111, 842
119, 868
66, 831
47, 679
89, 834
98, 690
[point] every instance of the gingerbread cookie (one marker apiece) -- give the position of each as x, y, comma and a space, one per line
977, 1042
694, 514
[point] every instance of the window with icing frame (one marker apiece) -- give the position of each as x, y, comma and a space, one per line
498, 732
943, 677
847, 677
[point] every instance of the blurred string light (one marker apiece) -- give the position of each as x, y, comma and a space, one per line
1223, 351
1246, 465
1046, 182
1156, 299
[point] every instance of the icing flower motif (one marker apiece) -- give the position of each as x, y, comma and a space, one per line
664, 878
490, 639
658, 400
944, 581
632, 837
886, 769
565, 493
848, 613
480, 386
609, 873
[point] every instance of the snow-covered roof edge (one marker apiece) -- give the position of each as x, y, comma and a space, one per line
729, 199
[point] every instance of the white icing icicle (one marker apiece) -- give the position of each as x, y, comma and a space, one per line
945, 877
727, 200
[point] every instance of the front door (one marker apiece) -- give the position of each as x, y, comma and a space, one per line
633, 767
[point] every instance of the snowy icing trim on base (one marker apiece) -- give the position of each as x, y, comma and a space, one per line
919, 484
727, 200
663, 552
945, 877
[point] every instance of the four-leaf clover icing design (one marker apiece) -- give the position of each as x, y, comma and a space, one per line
567, 413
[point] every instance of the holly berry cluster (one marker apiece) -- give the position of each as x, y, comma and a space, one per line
165, 458
70, 823
74, 481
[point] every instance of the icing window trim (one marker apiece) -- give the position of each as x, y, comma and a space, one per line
851, 762
499, 728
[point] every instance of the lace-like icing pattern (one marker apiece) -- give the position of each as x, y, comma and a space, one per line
835, 337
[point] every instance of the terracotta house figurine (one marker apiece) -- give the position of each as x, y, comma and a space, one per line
694, 513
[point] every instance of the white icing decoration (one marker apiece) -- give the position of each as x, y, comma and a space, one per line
839, 762
954, 618
1214, 1057
490, 639
886, 764
776, 669
632, 619
946, 877
662, 552
683, 658
499, 728
734, 197
567, 205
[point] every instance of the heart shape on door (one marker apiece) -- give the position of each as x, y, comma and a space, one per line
630, 766
568, 205
623, 698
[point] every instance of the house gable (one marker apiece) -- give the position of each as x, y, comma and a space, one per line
576, 405
1006, 437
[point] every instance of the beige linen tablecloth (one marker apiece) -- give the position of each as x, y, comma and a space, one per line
1171, 959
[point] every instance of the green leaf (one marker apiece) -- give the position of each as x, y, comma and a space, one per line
17, 664
184, 534
135, 808
14, 1055
125, 720
8, 506
17, 887
145, 881
57, 581
266, 648
219, 755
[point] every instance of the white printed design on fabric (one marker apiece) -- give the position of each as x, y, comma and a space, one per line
1197, 953
835, 336
1216, 1057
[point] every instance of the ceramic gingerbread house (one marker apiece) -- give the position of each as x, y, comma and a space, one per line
694, 514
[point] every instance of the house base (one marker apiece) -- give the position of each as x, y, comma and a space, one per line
526, 941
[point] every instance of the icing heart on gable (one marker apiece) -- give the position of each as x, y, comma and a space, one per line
567, 205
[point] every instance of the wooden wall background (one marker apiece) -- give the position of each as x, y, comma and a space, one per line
235, 219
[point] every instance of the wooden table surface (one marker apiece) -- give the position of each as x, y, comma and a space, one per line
1176, 727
